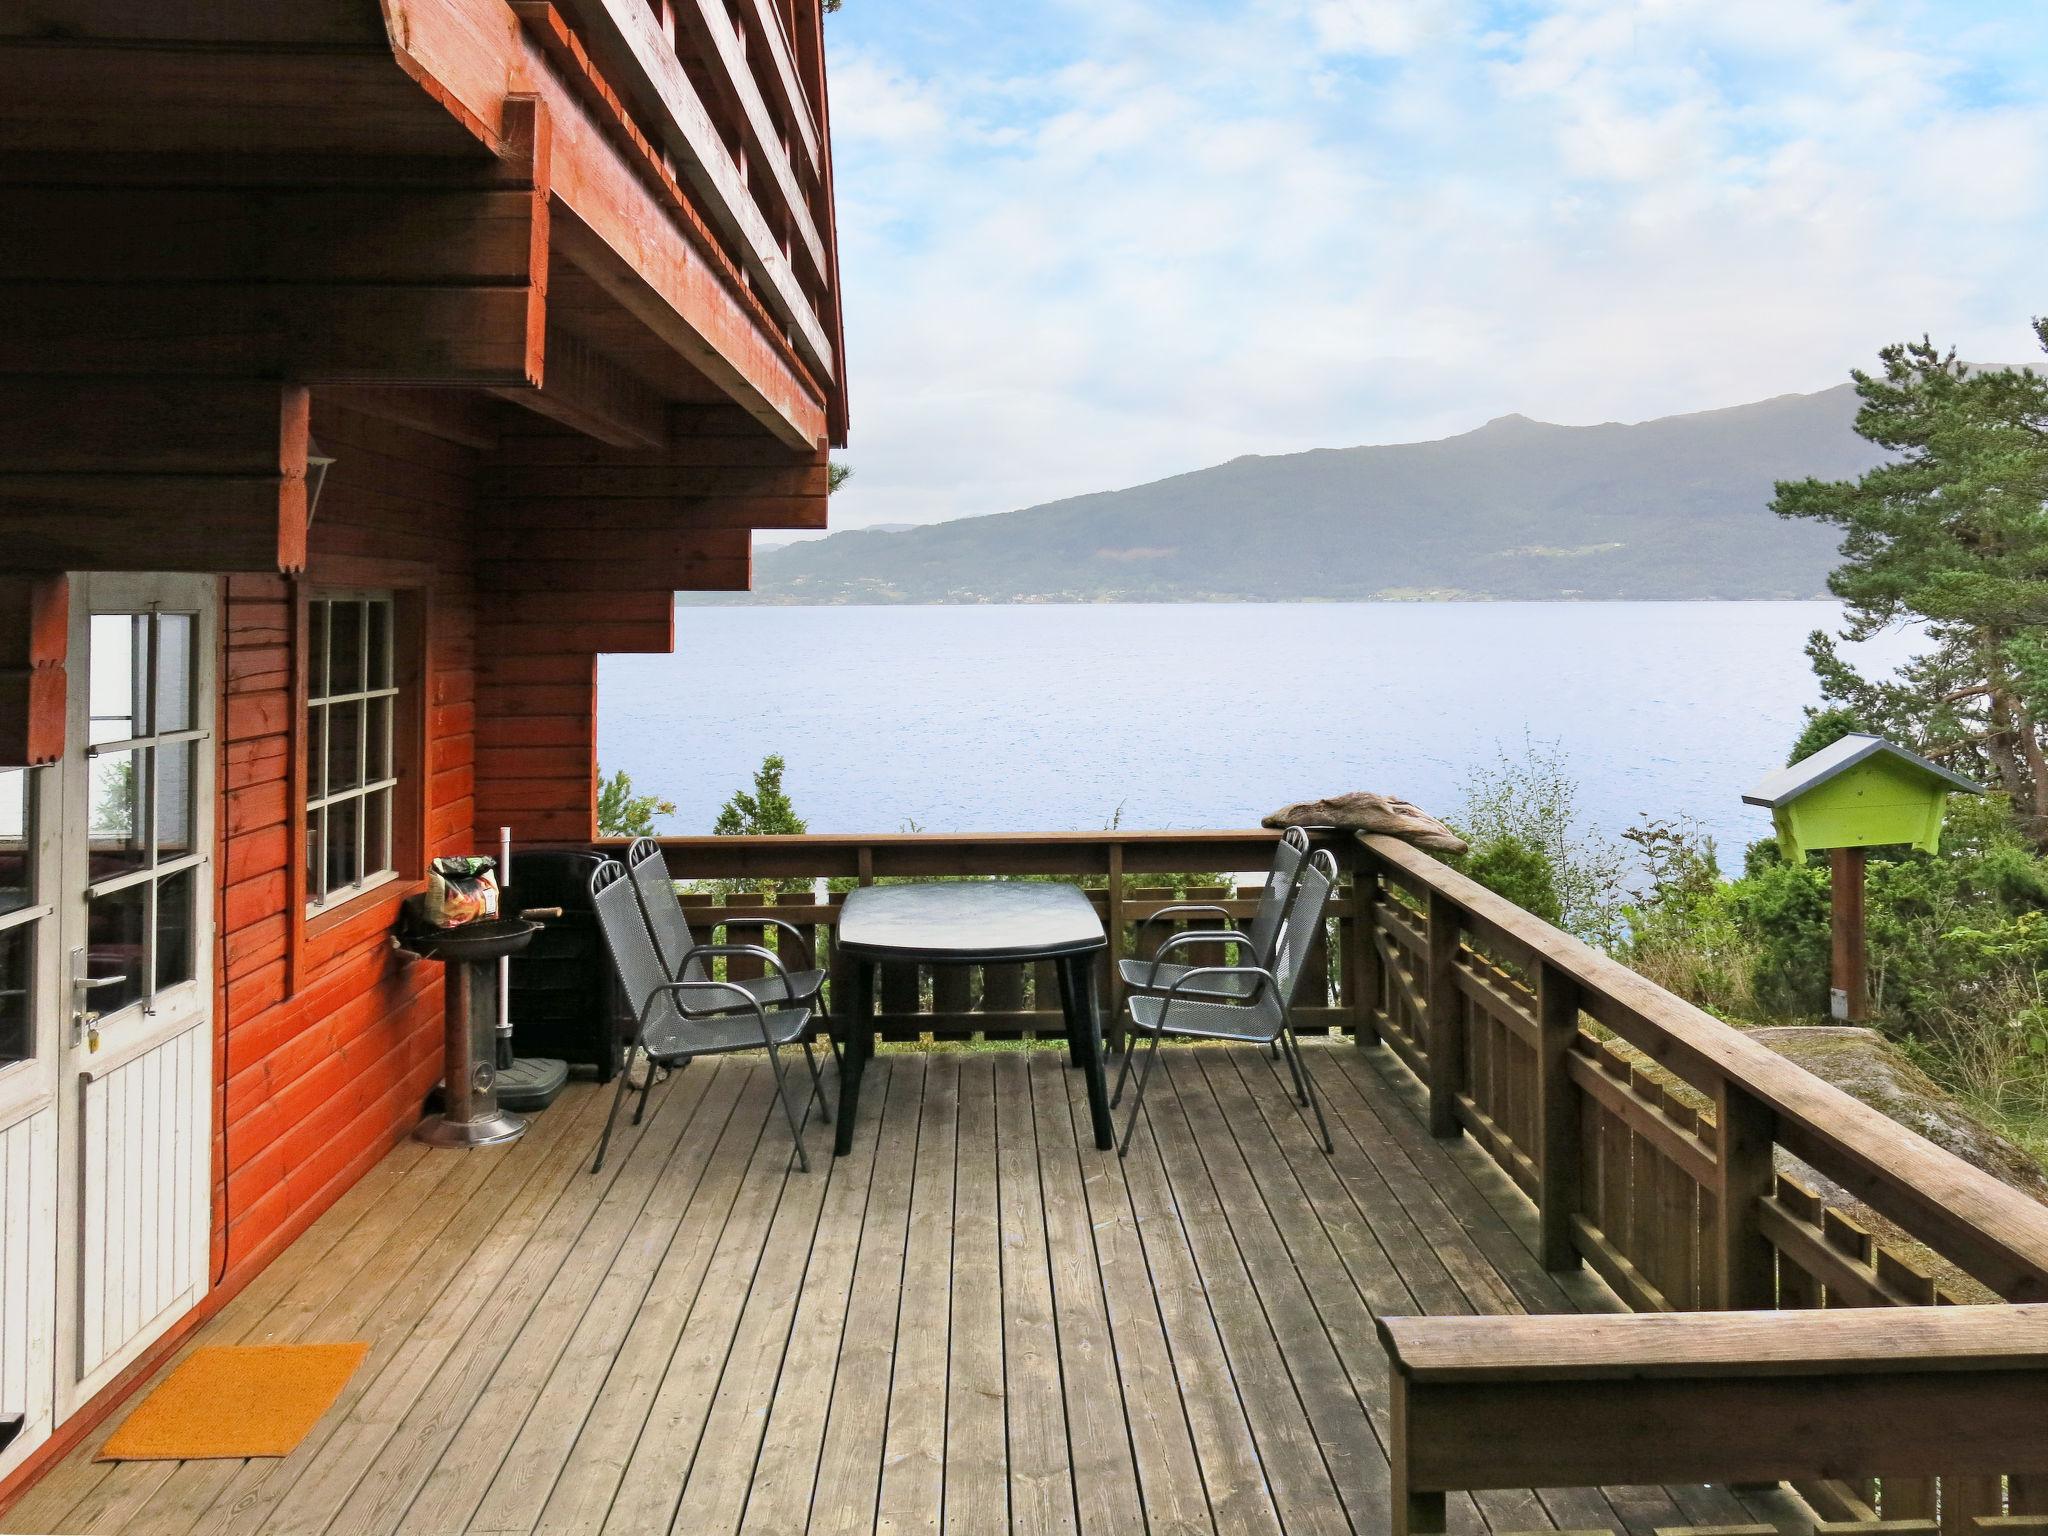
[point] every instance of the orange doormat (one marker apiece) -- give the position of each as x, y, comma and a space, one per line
236, 1401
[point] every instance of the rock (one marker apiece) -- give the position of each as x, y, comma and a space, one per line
1364, 811
1864, 1065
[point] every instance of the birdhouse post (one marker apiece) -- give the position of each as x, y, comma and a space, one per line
1859, 792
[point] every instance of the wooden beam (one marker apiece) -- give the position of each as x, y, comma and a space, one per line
57, 425
317, 333
583, 389
180, 475
34, 637
455, 416
400, 235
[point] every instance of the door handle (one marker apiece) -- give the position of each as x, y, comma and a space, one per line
92, 983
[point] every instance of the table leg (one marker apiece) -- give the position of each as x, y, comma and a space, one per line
1068, 1010
1084, 1033
856, 1044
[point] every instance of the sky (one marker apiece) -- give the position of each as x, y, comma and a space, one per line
1089, 243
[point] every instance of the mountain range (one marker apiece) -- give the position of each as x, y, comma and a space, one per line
1674, 508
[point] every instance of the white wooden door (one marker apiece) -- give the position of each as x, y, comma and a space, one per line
134, 976
29, 1054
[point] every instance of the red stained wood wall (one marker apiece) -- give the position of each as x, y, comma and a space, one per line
330, 1042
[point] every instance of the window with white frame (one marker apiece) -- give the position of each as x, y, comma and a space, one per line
144, 855
351, 768
19, 913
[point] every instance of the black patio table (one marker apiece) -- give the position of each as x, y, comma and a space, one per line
971, 922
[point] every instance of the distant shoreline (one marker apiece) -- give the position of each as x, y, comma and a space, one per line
747, 600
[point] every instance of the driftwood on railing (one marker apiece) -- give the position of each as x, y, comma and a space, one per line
1661, 1145
1123, 873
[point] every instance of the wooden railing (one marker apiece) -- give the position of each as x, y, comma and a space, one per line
713, 96
1673, 1154
1753, 1398
1122, 872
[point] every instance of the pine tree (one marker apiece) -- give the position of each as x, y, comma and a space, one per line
767, 812
1953, 532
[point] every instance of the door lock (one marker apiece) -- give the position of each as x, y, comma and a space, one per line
85, 1021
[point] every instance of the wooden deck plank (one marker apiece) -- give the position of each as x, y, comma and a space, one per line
1281, 1429
761, 1229
1170, 1475
332, 1463
978, 1322
379, 1500
977, 1493
366, 1262
516, 1496
374, 1200
801, 1285
1307, 1350
1098, 1417
597, 1459
383, 1309
911, 1495
528, 1353
850, 1462
1034, 1397
1240, 1498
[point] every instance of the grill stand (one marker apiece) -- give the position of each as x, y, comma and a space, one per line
470, 1115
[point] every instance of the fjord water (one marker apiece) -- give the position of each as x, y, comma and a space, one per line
1043, 717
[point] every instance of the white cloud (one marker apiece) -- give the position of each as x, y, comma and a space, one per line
1088, 244
1383, 28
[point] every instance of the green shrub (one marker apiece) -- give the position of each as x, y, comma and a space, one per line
1521, 817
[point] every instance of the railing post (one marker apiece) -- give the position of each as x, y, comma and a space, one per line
1557, 1117
1745, 1268
1113, 979
1446, 1018
1362, 952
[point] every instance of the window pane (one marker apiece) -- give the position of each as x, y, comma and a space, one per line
174, 799
316, 854
316, 649
380, 740
316, 753
174, 633
17, 993
120, 660
113, 938
174, 929
344, 741
380, 645
345, 648
17, 840
119, 840
377, 848
344, 865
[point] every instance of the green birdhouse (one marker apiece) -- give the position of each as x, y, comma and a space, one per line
1861, 792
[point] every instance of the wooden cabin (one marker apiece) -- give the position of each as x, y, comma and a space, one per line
367, 368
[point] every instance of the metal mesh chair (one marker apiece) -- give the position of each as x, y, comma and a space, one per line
1264, 1017
663, 909
696, 1016
1160, 975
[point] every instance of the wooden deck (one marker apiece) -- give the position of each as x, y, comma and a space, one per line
976, 1322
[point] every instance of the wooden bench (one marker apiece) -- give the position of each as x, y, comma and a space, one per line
1721, 1397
